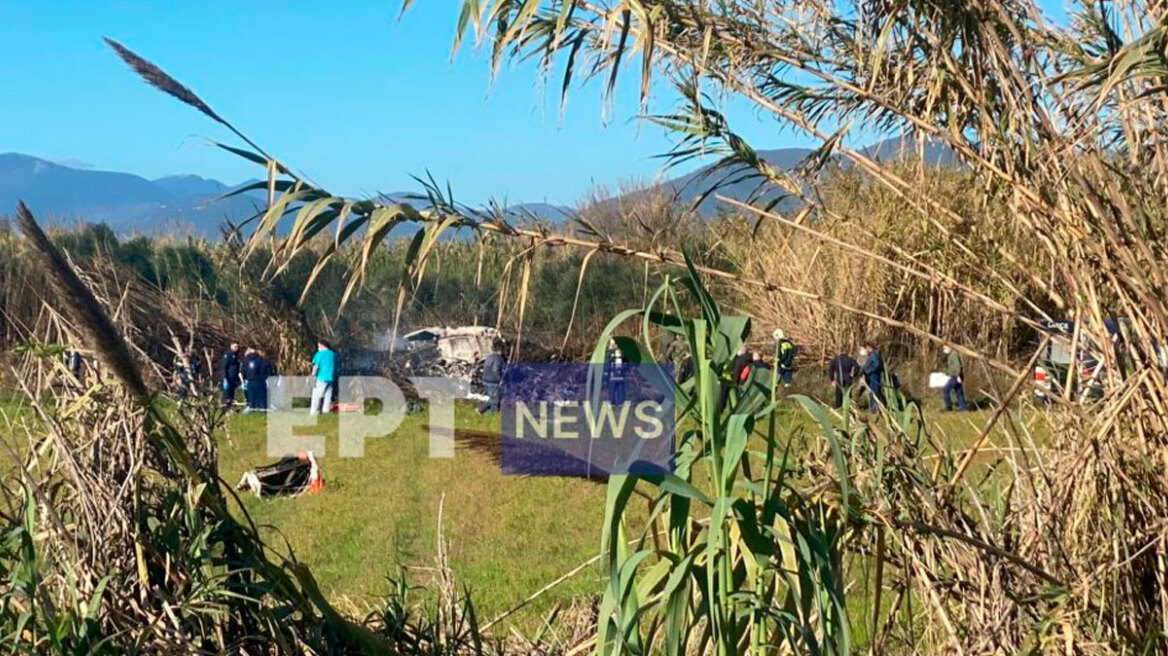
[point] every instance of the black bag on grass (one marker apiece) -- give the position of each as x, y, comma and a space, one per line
290, 476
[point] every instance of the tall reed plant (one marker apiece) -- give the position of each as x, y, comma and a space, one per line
734, 558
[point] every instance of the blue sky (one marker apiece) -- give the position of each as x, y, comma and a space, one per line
343, 91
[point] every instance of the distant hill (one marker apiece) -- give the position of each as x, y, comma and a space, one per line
187, 203
127, 202
62, 189
688, 188
191, 186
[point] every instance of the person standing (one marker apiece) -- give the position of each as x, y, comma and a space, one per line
842, 372
873, 375
74, 362
492, 377
956, 370
268, 371
737, 366
614, 372
786, 357
194, 369
230, 370
187, 373
741, 362
324, 369
249, 368
255, 380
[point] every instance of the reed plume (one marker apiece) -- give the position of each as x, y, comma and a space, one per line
160, 80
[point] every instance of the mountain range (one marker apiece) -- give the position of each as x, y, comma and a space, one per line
126, 202
730, 181
191, 204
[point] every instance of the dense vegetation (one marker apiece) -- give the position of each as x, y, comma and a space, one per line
215, 292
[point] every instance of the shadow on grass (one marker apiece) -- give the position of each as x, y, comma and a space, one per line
526, 455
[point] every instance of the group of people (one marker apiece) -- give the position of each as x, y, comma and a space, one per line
843, 371
747, 362
249, 370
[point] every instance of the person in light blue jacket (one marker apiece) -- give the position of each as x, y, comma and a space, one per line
324, 368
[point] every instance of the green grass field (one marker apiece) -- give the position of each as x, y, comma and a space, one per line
508, 536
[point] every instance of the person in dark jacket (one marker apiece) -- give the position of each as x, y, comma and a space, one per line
873, 375
249, 369
229, 370
269, 372
492, 377
842, 372
74, 362
956, 370
256, 370
738, 365
741, 361
194, 368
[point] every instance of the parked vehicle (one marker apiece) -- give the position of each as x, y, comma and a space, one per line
1053, 368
